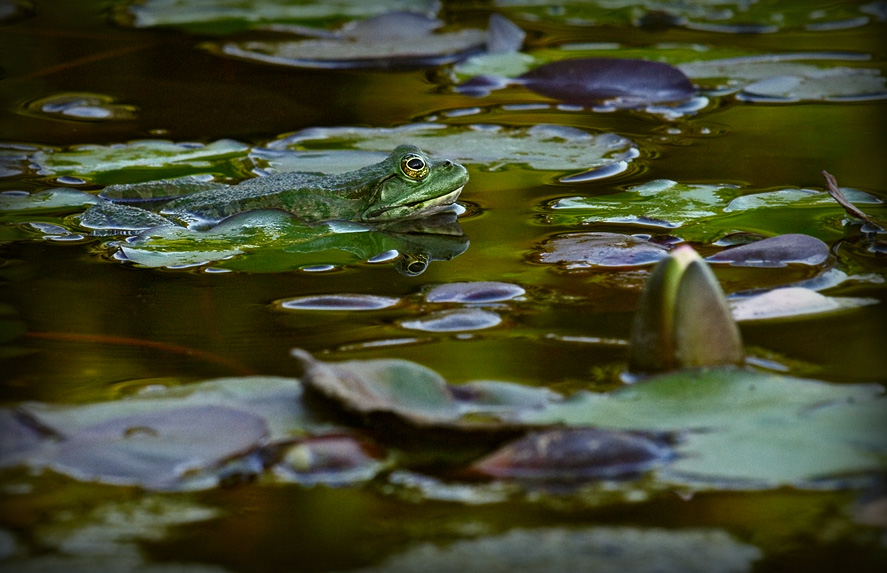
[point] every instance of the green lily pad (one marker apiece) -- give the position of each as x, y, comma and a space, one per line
491, 147
142, 160
273, 241
233, 15
742, 428
58, 199
707, 212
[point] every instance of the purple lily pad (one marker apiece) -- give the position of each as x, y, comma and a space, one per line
630, 82
776, 252
584, 453
588, 250
332, 459
155, 449
474, 292
20, 436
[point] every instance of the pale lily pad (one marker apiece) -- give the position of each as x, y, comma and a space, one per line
492, 147
157, 449
335, 460
232, 15
792, 302
744, 429
395, 40
476, 292
600, 250
338, 302
784, 78
598, 549
140, 160
459, 320
776, 251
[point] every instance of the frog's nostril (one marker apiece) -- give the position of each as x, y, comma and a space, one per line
448, 163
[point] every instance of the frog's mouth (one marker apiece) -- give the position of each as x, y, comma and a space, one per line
420, 208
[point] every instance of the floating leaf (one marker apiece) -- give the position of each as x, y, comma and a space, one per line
792, 302
540, 147
474, 292
576, 453
604, 250
454, 321
625, 82
272, 241
599, 549
775, 252
395, 40
140, 160
156, 449
234, 15
81, 107
742, 428
57, 199
707, 212
724, 16
338, 302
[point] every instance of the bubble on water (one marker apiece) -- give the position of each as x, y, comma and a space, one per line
454, 321
345, 301
80, 107
474, 292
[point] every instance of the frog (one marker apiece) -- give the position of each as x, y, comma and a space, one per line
405, 185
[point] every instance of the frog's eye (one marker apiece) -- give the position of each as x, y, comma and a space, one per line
413, 166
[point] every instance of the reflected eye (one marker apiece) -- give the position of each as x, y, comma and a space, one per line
414, 166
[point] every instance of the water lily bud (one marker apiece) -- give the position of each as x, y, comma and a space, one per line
683, 320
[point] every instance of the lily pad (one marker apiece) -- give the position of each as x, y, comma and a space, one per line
791, 302
81, 107
233, 15
724, 16
623, 82
454, 321
476, 292
706, 212
140, 160
335, 460
741, 428
600, 250
492, 147
395, 40
57, 199
157, 449
272, 241
776, 251
338, 302
576, 453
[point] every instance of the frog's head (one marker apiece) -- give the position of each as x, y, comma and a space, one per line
414, 186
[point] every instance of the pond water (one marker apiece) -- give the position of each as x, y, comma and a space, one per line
87, 83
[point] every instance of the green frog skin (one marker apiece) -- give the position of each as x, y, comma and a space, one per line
407, 184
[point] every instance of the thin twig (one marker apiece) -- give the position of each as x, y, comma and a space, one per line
838, 195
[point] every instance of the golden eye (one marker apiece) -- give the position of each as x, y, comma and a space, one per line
414, 167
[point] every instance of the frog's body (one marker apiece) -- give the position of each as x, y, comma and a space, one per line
407, 184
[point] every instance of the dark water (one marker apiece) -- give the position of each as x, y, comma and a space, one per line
86, 317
